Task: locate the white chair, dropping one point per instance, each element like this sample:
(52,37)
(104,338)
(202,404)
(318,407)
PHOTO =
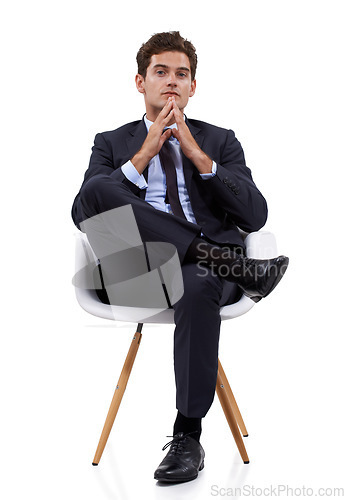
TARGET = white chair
(259,245)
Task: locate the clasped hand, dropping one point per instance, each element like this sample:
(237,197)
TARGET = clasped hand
(156,138)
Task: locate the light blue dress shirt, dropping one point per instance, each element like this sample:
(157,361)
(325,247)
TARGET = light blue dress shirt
(156,187)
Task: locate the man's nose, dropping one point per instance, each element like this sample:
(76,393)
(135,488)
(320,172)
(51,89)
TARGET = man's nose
(172,79)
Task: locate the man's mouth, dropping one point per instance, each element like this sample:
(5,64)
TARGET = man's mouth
(171,93)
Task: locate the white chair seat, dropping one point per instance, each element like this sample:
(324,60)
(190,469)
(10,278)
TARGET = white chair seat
(259,245)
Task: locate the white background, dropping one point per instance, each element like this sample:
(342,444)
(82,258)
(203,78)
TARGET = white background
(273,72)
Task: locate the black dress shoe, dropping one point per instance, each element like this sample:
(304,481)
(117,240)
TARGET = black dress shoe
(257,278)
(183,461)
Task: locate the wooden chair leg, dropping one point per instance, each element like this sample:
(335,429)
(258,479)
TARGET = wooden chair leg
(119,391)
(232,400)
(230,416)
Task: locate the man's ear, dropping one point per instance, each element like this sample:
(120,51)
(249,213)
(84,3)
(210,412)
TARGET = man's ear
(140,83)
(192,88)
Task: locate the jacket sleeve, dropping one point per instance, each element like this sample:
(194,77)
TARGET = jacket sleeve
(101,163)
(234,189)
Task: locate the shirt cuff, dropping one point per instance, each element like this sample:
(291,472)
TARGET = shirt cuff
(211,174)
(132,174)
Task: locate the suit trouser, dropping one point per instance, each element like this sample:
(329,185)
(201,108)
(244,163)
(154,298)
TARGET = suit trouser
(197,313)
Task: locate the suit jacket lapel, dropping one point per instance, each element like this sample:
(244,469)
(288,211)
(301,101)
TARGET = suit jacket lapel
(196,133)
(134,142)
(136,137)
(188,167)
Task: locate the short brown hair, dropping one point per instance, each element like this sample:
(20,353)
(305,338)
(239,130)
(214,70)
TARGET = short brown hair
(165,42)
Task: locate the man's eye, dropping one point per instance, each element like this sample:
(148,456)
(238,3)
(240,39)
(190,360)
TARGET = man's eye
(160,72)
(182,74)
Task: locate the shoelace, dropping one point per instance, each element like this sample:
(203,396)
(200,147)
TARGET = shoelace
(249,265)
(176,442)
(249,261)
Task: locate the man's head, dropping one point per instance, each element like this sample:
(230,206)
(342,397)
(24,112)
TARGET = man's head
(166,67)
(170,41)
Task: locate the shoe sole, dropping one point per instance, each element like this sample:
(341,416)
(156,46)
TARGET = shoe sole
(179,480)
(273,281)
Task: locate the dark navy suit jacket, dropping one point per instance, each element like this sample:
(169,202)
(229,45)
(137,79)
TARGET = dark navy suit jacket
(221,204)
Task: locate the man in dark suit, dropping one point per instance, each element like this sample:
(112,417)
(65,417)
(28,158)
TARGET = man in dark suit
(188,184)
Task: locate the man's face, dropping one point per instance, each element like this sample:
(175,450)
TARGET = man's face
(167,75)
